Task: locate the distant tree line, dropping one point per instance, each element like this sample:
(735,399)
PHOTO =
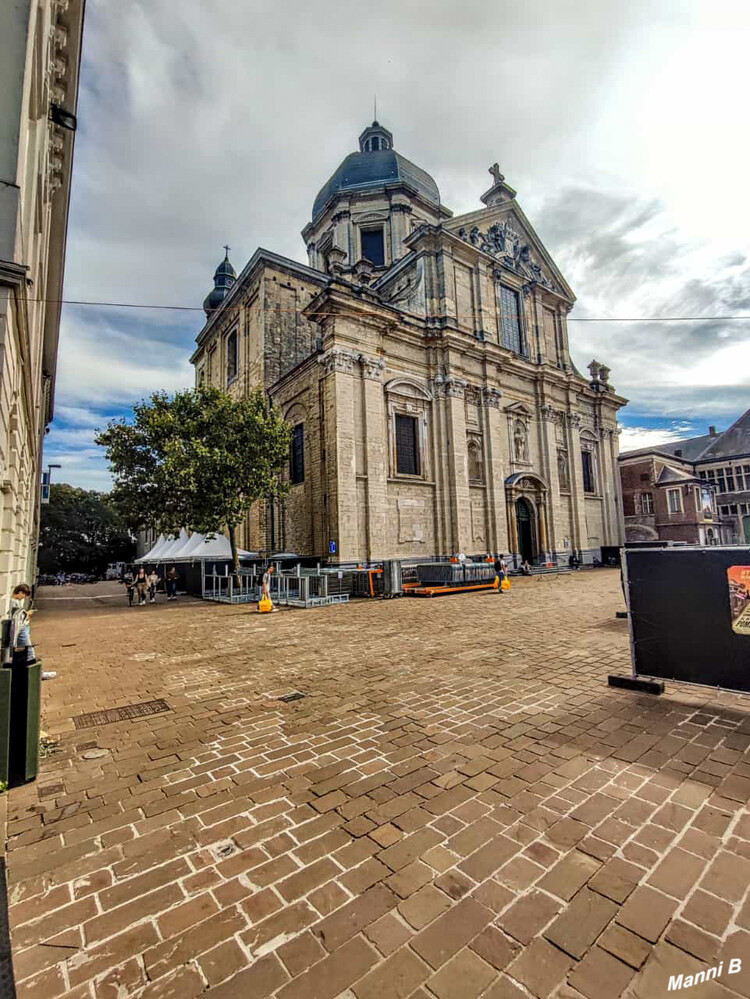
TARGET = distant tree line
(82,531)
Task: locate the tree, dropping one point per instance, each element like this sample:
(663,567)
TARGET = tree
(81,531)
(198,460)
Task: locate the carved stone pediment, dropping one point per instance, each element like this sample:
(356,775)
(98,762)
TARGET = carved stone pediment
(508,246)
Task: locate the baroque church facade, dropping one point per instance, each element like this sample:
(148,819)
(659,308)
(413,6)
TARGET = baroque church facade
(422,359)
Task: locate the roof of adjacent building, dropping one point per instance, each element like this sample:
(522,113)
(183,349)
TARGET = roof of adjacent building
(708,447)
(373,169)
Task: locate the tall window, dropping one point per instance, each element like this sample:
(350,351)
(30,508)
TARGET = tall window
(476,468)
(674,500)
(587,463)
(373,246)
(407,445)
(647,503)
(297,470)
(510,318)
(231,357)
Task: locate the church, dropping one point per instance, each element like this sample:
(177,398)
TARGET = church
(423,362)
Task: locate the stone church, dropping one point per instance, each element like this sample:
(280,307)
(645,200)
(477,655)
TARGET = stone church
(423,361)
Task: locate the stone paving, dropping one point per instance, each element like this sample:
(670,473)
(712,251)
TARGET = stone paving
(459,806)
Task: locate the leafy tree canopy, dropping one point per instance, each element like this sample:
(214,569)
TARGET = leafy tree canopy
(82,531)
(199,460)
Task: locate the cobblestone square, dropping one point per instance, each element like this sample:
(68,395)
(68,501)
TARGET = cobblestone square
(458,807)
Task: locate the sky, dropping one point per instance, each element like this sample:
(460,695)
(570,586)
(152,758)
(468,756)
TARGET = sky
(621,125)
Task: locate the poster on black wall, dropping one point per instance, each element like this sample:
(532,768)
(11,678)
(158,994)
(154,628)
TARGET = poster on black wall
(690,614)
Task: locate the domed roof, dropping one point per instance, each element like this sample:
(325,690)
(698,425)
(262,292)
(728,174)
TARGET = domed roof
(224,277)
(376,164)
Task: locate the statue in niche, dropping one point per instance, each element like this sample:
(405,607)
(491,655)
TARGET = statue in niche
(519,440)
(562,470)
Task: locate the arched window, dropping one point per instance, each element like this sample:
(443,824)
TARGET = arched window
(232,366)
(589,463)
(476,465)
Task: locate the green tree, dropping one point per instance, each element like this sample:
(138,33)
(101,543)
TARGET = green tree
(81,531)
(199,460)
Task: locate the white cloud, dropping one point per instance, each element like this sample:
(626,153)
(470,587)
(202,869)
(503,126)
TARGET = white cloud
(634,438)
(201,124)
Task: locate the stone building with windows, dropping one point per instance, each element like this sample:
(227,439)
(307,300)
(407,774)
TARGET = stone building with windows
(423,362)
(695,490)
(40,52)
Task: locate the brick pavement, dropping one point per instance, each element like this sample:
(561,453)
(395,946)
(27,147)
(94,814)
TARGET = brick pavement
(459,807)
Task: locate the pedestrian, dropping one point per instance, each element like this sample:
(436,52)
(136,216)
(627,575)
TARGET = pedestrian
(141,585)
(20,626)
(501,568)
(265,603)
(526,568)
(153,581)
(128,580)
(172,584)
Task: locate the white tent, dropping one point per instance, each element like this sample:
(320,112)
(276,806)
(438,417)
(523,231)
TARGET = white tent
(187,548)
(161,542)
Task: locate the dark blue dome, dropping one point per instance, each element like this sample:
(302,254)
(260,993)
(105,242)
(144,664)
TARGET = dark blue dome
(363,170)
(224,277)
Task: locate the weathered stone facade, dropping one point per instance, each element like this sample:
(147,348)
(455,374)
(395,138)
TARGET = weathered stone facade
(40,46)
(439,407)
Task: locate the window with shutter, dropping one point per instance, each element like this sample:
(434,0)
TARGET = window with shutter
(407,445)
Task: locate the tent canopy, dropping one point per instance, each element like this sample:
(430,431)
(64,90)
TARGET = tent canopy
(193,547)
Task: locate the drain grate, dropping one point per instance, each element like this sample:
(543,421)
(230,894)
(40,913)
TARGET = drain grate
(125,713)
(296,696)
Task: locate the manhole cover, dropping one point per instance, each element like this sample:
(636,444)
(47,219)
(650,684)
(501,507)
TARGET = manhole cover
(296,696)
(125,713)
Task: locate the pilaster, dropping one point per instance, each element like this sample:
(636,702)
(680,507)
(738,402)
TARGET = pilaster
(550,417)
(494,437)
(577,497)
(340,442)
(452,390)
(376,458)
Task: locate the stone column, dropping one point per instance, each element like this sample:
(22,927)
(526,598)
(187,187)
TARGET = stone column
(341,480)
(376,459)
(497,517)
(549,420)
(578,501)
(458,484)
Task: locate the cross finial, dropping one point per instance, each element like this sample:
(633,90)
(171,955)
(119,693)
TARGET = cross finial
(227,248)
(496,175)
(374,107)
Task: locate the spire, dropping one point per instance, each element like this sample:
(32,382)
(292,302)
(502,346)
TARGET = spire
(224,277)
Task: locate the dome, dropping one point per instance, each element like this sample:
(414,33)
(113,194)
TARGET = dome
(224,277)
(375,165)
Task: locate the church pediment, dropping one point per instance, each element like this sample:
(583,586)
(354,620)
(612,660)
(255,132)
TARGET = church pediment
(504,233)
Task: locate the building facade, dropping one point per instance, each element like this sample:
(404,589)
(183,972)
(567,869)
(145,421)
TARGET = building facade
(695,490)
(423,362)
(40,47)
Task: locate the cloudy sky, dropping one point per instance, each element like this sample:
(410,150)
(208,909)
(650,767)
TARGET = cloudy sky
(621,125)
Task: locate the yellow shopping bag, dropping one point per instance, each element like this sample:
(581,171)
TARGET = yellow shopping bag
(265,604)
(505,585)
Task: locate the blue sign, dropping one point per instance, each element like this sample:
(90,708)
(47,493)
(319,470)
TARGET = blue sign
(332,547)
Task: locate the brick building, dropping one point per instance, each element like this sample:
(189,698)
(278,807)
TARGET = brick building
(695,490)
(423,361)
(40,54)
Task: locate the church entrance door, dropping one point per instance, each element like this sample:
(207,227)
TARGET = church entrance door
(525,521)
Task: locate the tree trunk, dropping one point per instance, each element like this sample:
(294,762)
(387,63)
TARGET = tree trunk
(235,556)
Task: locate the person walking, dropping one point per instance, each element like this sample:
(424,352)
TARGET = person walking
(153,581)
(20,625)
(501,568)
(141,586)
(172,584)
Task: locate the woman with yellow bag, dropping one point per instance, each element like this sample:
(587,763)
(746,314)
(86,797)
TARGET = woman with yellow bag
(501,568)
(265,604)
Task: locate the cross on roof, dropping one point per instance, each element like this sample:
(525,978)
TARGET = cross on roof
(496,175)
(227,248)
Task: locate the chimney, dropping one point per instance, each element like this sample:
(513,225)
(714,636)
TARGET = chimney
(712,431)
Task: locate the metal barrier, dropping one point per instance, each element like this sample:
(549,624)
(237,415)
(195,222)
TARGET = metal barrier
(298,588)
